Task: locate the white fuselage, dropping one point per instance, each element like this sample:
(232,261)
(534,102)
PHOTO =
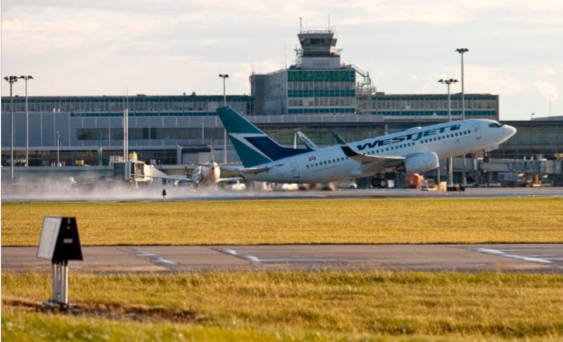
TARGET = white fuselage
(331,164)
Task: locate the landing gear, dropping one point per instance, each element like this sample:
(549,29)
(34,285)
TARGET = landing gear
(485,157)
(379,181)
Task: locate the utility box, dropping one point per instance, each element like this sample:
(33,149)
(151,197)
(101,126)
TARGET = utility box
(59,239)
(59,243)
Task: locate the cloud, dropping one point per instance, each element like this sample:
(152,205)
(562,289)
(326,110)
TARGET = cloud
(493,80)
(548,90)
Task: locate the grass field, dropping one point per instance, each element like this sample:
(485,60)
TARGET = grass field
(499,220)
(263,306)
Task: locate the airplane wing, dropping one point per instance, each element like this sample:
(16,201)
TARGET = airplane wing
(372,162)
(255,169)
(234,167)
(232,179)
(175,178)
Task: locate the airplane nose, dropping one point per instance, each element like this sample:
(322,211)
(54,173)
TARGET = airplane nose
(510,131)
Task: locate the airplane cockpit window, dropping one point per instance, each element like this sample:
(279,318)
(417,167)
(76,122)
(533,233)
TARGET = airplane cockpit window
(496,125)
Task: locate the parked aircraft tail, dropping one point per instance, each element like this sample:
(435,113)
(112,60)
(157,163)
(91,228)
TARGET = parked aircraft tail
(253,146)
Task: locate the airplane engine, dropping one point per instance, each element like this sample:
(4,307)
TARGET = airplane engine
(422,162)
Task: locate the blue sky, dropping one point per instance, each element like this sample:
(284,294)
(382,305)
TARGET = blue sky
(171,47)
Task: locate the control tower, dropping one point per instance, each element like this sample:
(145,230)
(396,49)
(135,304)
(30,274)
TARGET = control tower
(318,50)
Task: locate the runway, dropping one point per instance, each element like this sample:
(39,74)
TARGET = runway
(530,258)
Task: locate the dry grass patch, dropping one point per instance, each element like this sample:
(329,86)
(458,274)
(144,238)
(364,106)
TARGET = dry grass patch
(499,220)
(311,306)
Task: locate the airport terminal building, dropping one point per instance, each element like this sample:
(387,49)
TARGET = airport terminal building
(319,96)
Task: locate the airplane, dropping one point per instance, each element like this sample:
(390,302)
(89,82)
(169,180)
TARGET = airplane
(206,173)
(412,151)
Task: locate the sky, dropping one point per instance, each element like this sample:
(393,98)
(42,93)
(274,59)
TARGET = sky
(171,47)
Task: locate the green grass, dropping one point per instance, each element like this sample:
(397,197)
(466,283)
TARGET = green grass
(264,306)
(499,220)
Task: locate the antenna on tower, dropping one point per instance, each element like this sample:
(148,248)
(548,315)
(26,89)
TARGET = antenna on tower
(300,24)
(329,22)
(285,43)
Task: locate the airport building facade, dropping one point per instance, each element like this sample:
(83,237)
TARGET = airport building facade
(319,96)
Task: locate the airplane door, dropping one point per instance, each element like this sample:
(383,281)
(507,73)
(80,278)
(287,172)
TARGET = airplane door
(295,170)
(477,131)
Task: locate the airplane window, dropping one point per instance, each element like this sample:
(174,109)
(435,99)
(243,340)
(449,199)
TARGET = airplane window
(496,125)
(387,149)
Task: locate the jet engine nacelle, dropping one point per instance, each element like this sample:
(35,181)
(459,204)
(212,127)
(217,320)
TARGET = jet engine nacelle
(422,162)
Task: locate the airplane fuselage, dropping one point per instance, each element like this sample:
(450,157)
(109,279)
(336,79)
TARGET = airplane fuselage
(331,164)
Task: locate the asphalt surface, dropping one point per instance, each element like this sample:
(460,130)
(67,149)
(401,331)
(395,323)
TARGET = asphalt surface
(530,258)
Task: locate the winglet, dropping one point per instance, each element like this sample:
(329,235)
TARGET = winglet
(307,142)
(339,140)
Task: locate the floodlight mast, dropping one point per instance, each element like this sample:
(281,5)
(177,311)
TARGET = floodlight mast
(461,51)
(450,169)
(26,122)
(224,76)
(11,80)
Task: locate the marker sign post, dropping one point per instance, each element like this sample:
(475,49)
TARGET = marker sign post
(59,243)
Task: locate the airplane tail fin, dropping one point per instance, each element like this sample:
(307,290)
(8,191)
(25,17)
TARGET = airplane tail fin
(253,146)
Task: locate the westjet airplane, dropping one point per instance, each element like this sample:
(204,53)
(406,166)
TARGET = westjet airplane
(412,151)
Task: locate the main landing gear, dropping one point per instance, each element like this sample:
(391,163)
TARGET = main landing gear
(379,181)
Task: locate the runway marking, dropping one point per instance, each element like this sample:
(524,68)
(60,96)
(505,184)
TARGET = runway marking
(140,253)
(155,259)
(161,260)
(512,256)
(251,258)
(273,260)
(235,254)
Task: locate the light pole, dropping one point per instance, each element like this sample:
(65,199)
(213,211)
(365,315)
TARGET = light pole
(26,122)
(224,77)
(11,80)
(461,52)
(58,144)
(450,171)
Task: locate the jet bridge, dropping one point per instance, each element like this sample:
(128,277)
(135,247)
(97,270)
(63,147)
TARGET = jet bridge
(133,171)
